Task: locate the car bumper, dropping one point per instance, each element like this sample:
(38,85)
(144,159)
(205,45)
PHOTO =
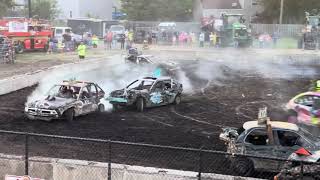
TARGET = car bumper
(41,118)
(41,114)
(117,100)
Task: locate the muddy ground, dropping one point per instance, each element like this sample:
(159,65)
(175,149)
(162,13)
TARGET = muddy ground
(197,122)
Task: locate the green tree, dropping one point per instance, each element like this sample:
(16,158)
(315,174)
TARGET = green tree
(4,6)
(157,10)
(293,10)
(45,9)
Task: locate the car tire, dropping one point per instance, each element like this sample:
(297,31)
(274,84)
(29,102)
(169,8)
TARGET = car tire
(101,108)
(115,107)
(243,167)
(20,48)
(140,104)
(69,114)
(177,99)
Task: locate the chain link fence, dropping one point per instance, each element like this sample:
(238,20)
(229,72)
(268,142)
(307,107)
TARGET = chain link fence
(84,159)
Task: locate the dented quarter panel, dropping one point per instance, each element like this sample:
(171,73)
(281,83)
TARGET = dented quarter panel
(152,97)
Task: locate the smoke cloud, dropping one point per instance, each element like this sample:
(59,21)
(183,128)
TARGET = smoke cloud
(210,68)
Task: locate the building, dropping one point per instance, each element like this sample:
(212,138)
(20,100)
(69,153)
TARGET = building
(101,9)
(208,8)
(19,4)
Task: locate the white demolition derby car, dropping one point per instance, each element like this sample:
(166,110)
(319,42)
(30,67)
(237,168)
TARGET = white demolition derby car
(67,101)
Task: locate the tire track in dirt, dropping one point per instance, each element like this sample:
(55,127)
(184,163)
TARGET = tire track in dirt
(193,119)
(240,113)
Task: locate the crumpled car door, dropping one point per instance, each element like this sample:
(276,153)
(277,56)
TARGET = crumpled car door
(262,151)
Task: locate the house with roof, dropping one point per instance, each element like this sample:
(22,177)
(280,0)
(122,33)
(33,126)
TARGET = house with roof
(209,8)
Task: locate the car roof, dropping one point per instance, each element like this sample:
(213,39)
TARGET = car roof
(274,124)
(157,78)
(75,83)
(307,93)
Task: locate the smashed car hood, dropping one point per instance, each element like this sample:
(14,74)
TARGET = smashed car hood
(56,102)
(228,133)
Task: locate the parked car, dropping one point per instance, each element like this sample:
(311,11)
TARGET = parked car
(67,101)
(118,31)
(304,107)
(147,92)
(254,139)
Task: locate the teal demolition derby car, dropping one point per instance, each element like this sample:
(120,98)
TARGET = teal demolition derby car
(147,92)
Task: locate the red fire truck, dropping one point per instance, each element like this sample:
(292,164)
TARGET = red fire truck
(26,34)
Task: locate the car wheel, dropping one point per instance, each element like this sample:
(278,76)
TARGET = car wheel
(115,107)
(177,100)
(69,114)
(243,167)
(20,48)
(140,104)
(101,108)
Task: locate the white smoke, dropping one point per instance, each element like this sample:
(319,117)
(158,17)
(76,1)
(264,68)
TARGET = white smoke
(212,68)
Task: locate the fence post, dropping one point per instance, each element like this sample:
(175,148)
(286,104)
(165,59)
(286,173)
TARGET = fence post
(26,162)
(109,160)
(200,164)
(301,170)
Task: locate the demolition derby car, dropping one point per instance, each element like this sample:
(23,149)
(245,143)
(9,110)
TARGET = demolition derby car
(67,101)
(281,140)
(135,57)
(304,108)
(147,92)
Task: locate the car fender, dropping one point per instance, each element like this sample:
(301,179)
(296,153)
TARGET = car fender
(315,157)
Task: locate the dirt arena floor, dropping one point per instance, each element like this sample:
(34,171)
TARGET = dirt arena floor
(229,100)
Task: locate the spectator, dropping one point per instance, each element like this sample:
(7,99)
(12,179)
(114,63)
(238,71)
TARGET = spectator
(154,38)
(261,41)
(82,50)
(130,37)
(174,39)
(211,39)
(201,39)
(275,37)
(109,39)
(105,40)
(114,40)
(60,46)
(189,36)
(193,37)
(50,45)
(122,40)
(95,41)
(67,41)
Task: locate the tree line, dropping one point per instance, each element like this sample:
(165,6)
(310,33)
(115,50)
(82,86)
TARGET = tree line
(174,10)
(44,9)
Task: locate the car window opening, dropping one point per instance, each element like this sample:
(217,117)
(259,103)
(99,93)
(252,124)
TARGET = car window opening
(257,137)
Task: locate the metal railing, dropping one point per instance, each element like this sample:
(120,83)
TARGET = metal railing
(204,162)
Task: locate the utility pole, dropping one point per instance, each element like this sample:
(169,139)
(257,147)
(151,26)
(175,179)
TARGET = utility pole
(281,12)
(29,8)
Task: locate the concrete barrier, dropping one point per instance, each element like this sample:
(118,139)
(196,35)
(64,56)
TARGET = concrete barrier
(18,82)
(66,169)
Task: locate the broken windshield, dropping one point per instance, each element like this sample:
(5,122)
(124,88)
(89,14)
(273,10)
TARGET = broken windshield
(141,84)
(64,91)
